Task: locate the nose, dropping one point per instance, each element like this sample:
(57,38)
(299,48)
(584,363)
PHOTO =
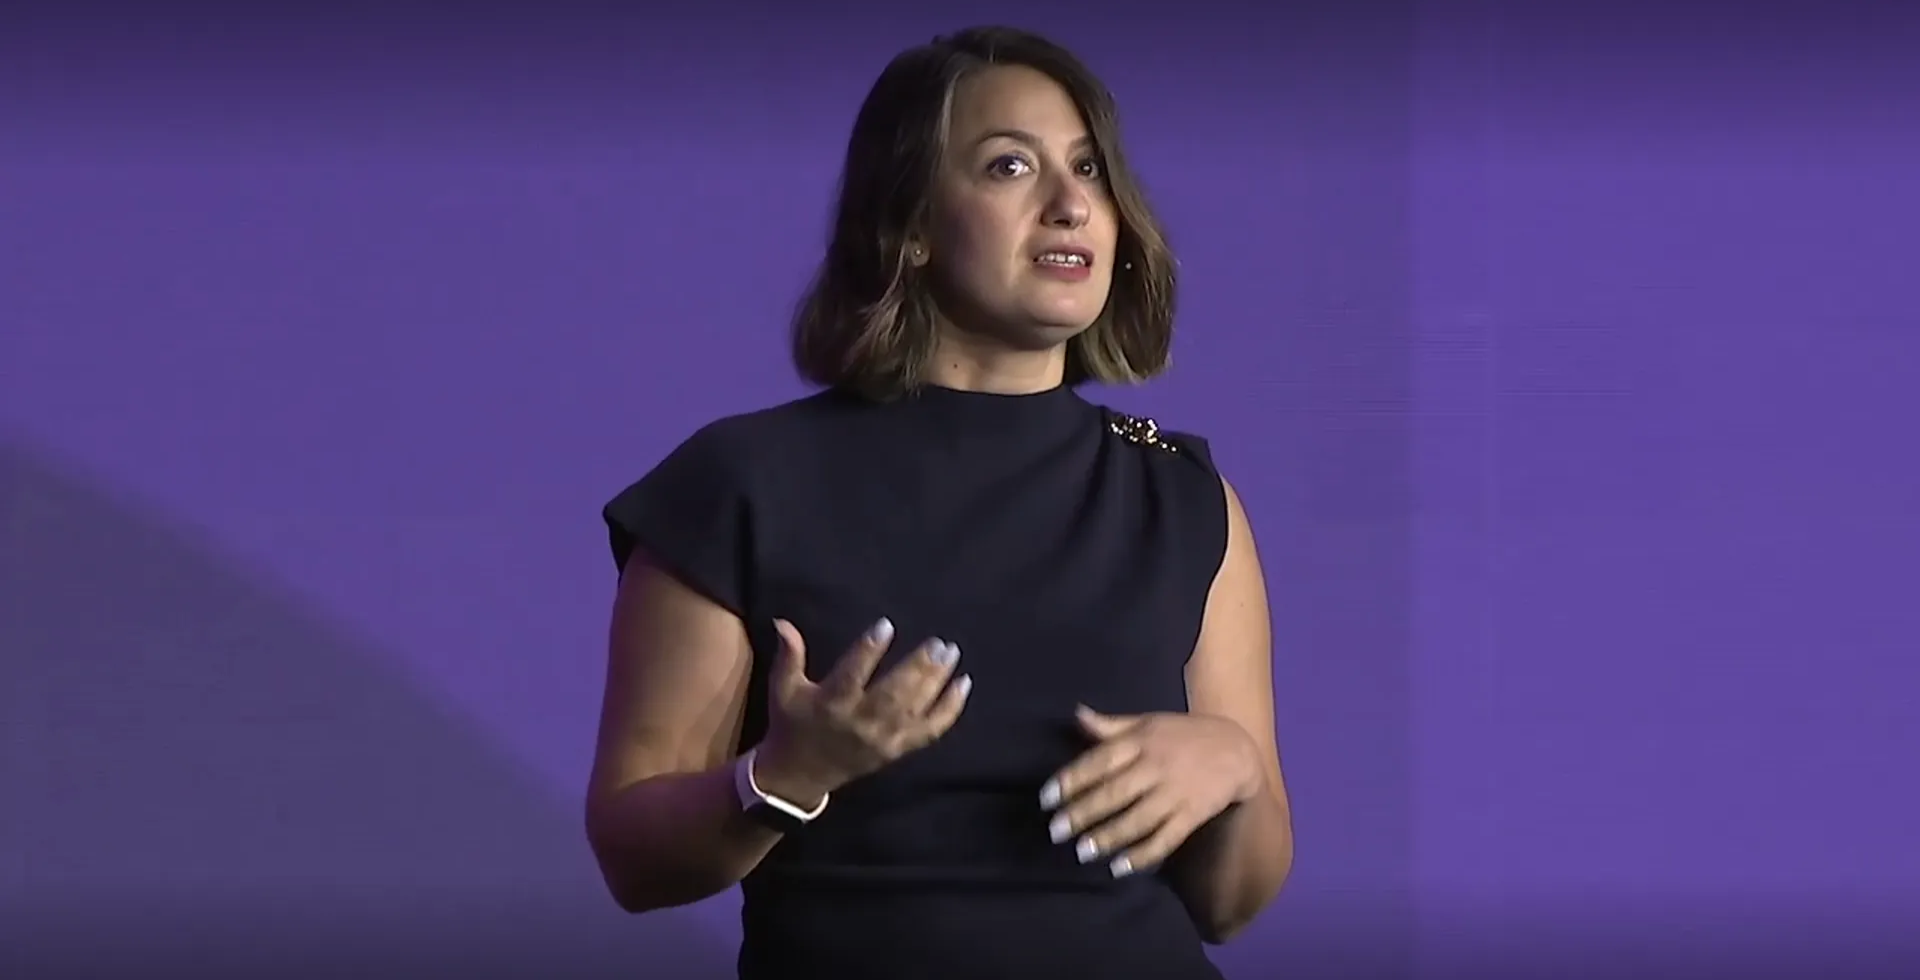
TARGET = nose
(1069,206)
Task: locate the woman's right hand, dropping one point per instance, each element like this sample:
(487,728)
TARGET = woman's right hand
(822,736)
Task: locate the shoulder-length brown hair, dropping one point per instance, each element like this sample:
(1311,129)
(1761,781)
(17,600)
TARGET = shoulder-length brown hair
(868,320)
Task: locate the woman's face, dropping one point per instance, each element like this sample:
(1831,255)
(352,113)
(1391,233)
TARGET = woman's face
(1023,232)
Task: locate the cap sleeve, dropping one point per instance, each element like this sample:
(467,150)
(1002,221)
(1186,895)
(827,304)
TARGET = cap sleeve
(1210,492)
(691,515)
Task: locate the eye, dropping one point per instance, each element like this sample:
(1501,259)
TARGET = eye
(1089,169)
(1009,166)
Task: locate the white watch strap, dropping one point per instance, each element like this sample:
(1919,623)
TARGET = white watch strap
(750,792)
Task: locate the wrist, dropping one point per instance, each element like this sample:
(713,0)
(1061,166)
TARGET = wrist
(778,776)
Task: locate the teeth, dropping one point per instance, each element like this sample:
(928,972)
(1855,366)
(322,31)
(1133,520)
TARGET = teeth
(1061,258)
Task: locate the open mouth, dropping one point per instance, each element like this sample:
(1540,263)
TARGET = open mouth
(1064,258)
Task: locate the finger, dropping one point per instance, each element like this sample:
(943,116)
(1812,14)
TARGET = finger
(1124,834)
(915,683)
(946,711)
(788,673)
(1155,848)
(1102,727)
(1092,767)
(1099,805)
(856,666)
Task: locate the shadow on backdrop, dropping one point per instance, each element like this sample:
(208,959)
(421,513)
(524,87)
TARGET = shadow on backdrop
(200,773)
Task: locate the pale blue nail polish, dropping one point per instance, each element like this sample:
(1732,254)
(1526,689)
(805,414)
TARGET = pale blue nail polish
(1121,867)
(945,654)
(1059,828)
(1050,794)
(1086,850)
(965,684)
(881,631)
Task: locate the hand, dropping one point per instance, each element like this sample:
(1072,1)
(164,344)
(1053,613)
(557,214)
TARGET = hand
(823,736)
(1147,785)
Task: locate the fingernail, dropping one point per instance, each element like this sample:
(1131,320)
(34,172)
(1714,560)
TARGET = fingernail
(1121,867)
(1050,794)
(1059,828)
(965,684)
(881,631)
(944,653)
(1087,850)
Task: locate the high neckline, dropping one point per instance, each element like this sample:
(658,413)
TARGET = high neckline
(961,403)
(934,411)
(934,391)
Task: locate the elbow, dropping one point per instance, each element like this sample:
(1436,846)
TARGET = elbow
(628,892)
(1222,929)
(635,902)
(1219,934)
(624,891)
(646,877)
(621,887)
(1221,924)
(628,900)
(616,868)
(635,898)
(637,884)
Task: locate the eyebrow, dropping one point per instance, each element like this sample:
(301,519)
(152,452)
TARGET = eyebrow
(1022,136)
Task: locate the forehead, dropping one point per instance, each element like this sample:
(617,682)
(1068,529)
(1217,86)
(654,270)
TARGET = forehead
(1015,97)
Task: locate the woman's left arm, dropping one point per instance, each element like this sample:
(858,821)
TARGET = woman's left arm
(1235,864)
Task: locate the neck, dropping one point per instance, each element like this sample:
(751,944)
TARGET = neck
(972,364)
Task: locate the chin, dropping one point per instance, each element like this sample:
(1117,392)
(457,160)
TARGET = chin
(1072,318)
(1043,335)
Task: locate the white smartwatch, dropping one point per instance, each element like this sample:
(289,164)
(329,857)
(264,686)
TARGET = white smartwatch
(766,809)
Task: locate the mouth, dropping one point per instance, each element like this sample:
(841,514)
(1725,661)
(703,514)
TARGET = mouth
(1065,258)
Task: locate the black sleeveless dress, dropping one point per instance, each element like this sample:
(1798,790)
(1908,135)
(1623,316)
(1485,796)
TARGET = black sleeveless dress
(1068,550)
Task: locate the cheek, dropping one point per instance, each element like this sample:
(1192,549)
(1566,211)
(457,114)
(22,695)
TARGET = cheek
(1107,224)
(977,248)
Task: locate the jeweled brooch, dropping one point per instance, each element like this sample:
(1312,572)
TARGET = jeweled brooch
(1139,430)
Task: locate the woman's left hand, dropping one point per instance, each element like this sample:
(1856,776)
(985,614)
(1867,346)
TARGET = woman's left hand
(1147,785)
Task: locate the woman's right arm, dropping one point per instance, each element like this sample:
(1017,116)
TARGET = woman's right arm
(662,817)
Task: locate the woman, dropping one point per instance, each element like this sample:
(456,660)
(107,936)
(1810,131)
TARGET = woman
(957,674)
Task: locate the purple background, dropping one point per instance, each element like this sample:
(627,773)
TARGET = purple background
(1566,356)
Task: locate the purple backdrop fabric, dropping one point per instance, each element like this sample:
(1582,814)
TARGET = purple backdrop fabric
(1563,354)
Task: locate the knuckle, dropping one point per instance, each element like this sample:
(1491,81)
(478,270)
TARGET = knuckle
(868,732)
(898,742)
(883,702)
